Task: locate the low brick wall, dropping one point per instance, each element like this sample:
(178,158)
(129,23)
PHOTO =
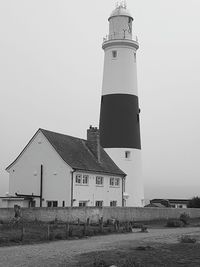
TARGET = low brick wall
(121,214)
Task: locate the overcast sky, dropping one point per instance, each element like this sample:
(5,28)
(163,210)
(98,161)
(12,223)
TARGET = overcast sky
(51,66)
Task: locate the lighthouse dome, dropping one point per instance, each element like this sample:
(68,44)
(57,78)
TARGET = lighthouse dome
(120,11)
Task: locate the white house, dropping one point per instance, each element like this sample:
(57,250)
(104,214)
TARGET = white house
(57,170)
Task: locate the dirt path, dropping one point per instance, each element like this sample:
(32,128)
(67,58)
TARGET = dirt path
(62,253)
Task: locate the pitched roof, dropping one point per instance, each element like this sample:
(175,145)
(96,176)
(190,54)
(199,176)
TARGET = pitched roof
(75,152)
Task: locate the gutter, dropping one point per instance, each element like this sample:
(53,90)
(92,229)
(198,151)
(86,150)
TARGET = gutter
(123,183)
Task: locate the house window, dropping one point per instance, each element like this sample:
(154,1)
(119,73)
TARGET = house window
(99,180)
(78,179)
(114,54)
(116,181)
(32,204)
(51,204)
(82,203)
(82,179)
(113,203)
(99,203)
(127,154)
(63,203)
(112,181)
(85,179)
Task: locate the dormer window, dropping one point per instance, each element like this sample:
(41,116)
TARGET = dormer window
(114,54)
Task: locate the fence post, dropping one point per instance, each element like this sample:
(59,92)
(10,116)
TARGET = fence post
(88,221)
(22,233)
(48,231)
(84,229)
(67,230)
(101,224)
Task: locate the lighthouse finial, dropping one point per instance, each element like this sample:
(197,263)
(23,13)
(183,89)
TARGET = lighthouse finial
(121,4)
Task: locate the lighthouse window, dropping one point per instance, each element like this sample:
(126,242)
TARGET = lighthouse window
(114,53)
(127,154)
(134,57)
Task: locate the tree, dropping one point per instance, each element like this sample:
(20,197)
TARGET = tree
(194,202)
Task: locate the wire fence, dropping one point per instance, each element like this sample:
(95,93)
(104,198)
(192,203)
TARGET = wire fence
(30,232)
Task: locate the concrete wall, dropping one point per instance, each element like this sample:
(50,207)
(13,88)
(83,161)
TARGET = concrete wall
(121,214)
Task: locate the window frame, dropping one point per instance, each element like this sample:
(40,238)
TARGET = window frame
(114,54)
(80,179)
(127,154)
(113,203)
(85,176)
(99,180)
(117,182)
(113,181)
(99,202)
(52,203)
(84,202)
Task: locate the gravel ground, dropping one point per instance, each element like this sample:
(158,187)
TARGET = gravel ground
(63,253)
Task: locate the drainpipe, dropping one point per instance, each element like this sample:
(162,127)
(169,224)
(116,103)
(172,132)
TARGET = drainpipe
(72,187)
(41,184)
(123,183)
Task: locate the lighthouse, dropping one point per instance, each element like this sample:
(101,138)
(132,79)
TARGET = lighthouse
(120,114)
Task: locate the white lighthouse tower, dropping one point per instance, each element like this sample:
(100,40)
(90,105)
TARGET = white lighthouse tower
(119,116)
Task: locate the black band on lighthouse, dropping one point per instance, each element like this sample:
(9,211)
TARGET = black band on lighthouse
(119,121)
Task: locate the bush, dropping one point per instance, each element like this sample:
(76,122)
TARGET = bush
(174,223)
(100,263)
(59,236)
(187,239)
(185,218)
(194,202)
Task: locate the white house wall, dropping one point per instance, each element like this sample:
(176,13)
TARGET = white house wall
(24,175)
(92,192)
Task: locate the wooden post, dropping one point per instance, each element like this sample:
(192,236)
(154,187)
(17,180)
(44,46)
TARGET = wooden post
(84,229)
(88,221)
(78,221)
(22,233)
(101,224)
(48,231)
(116,226)
(67,230)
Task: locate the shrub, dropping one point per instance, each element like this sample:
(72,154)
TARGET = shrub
(174,223)
(194,202)
(130,262)
(185,218)
(187,239)
(100,263)
(59,236)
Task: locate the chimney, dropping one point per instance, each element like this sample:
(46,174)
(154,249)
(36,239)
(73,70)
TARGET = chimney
(93,141)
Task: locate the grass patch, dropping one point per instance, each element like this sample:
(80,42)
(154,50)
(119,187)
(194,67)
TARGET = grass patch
(153,255)
(188,239)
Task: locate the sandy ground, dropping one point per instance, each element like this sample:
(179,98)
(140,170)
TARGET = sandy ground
(63,253)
